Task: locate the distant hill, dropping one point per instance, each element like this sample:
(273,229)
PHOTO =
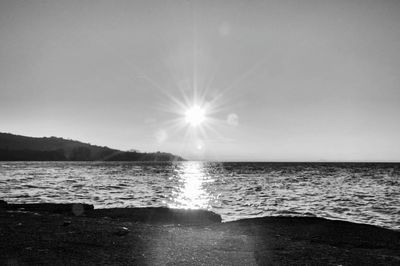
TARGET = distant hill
(22,148)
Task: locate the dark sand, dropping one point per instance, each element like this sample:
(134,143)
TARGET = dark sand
(41,234)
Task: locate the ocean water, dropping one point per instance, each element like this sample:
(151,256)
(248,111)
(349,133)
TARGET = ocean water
(362,193)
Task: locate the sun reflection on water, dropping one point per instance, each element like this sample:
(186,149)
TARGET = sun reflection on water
(190,193)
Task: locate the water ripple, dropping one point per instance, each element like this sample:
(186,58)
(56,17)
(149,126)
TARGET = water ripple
(365,193)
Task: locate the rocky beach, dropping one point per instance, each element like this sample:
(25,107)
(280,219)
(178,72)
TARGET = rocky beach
(78,234)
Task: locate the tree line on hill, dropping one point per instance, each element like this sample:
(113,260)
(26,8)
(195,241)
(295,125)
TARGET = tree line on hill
(22,148)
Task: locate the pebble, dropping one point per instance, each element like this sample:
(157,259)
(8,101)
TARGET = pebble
(122,231)
(66,223)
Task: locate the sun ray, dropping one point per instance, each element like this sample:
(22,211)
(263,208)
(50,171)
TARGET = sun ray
(246,74)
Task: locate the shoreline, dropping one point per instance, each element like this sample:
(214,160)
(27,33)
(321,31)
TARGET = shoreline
(43,205)
(78,234)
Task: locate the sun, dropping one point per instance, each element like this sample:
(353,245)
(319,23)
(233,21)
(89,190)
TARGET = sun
(195,115)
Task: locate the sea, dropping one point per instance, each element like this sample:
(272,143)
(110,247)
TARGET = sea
(366,193)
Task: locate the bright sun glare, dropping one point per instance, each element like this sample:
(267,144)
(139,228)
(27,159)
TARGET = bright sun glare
(195,115)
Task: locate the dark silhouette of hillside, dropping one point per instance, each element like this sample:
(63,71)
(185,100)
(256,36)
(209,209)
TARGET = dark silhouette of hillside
(22,148)
(138,156)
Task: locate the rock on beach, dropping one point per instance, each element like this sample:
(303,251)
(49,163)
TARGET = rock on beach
(162,236)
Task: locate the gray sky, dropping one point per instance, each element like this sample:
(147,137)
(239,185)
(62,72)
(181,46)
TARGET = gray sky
(279,80)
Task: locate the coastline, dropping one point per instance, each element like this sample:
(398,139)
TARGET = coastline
(78,234)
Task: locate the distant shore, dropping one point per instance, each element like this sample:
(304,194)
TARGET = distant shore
(24,148)
(78,234)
